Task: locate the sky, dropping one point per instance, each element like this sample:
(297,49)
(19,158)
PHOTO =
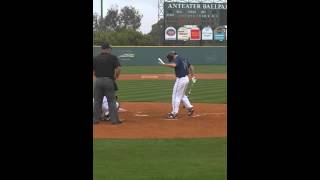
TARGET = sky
(148,8)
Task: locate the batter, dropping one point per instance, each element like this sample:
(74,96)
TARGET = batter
(182,68)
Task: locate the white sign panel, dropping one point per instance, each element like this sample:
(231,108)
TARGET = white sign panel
(207,33)
(183,33)
(170,33)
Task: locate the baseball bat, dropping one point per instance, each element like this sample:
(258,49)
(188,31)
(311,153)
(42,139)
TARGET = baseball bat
(189,93)
(160,61)
(194,80)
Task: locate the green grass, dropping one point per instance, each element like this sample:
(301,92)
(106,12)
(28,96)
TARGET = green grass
(205,91)
(189,159)
(163,70)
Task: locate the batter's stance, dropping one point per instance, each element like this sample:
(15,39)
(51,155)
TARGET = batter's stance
(182,68)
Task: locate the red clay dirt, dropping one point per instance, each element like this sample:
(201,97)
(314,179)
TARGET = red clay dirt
(166,76)
(148,120)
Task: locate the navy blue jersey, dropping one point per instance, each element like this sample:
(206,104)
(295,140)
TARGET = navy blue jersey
(182,66)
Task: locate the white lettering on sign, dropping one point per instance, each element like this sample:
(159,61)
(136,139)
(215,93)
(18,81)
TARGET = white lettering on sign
(197,6)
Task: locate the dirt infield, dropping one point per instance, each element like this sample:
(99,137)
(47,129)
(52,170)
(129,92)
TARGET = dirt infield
(167,76)
(148,120)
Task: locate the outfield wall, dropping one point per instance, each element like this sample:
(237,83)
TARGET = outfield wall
(148,55)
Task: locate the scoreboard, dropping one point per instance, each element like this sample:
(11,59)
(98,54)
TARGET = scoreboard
(202,14)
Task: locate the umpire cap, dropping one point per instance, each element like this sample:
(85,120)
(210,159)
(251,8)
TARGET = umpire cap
(105,45)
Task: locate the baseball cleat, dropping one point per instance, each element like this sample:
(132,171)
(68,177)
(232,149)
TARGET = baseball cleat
(106,118)
(118,104)
(190,111)
(172,116)
(96,122)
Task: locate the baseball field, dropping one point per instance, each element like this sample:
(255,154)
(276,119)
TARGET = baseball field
(149,147)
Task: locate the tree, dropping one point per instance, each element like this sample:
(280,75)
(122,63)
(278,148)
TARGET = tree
(122,37)
(112,20)
(95,22)
(130,18)
(157,33)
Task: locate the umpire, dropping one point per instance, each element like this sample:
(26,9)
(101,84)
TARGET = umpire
(107,69)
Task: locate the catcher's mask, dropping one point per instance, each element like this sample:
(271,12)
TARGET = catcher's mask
(170,55)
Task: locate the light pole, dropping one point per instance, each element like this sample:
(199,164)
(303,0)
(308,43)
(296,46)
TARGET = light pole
(101,9)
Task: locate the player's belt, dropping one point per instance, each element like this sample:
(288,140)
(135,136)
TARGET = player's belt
(182,76)
(106,77)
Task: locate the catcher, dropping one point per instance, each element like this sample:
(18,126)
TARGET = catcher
(105,108)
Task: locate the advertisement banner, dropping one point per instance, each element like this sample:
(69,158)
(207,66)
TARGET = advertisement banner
(195,34)
(170,33)
(207,33)
(183,33)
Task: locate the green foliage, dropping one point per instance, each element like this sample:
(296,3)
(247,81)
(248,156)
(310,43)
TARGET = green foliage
(127,18)
(130,18)
(112,20)
(157,36)
(122,37)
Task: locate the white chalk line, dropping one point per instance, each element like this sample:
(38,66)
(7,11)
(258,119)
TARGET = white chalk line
(215,113)
(204,114)
(141,115)
(171,119)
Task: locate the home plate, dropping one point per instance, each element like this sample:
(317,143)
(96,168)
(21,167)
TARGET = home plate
(122,110)
(171,119)
(141,115)
(196,115)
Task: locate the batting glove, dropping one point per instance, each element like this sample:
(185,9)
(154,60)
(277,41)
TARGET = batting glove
(194,80)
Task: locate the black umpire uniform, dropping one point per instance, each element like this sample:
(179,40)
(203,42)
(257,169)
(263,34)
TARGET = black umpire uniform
(105,65)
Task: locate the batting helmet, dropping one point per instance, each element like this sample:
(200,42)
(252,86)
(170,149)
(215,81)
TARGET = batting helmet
(170,55)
